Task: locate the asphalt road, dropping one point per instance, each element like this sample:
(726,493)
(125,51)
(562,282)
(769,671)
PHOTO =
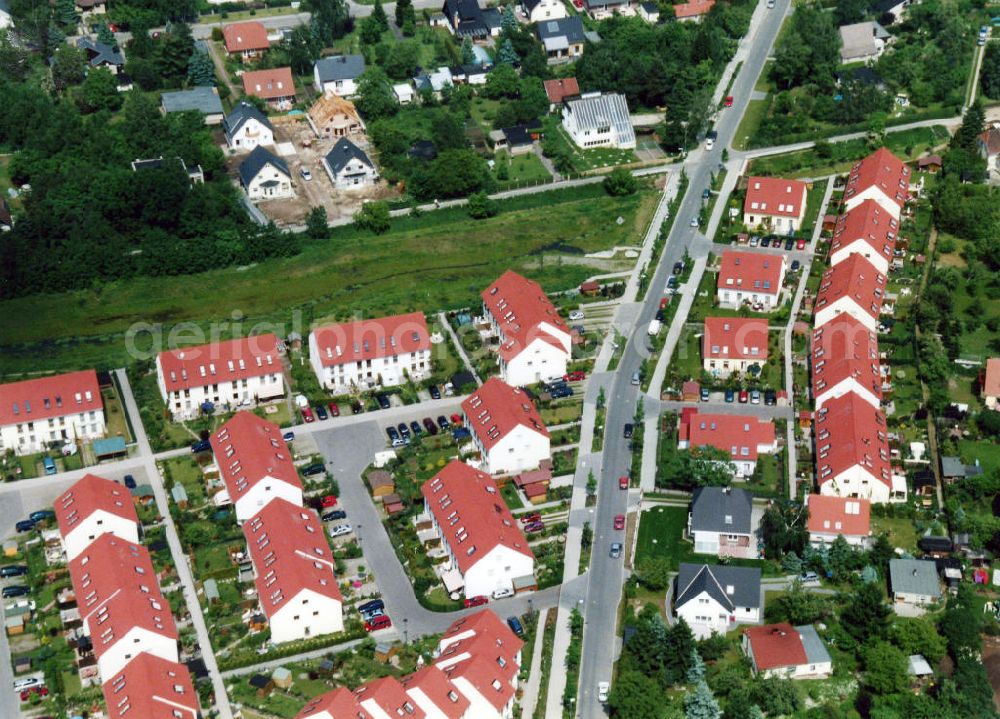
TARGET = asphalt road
(606,575)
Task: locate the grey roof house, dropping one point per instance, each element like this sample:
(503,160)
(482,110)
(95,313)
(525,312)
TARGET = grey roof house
(563,39)
(953,468)
(198,99)
(467,19)
(243,116)
(101,55)
(264,175)
(338,74)
(862,41)
(914,583)
(349,167)
(714,598)
(721,522)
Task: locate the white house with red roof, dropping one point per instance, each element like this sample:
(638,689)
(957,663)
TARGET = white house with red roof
(733,344)
(535,343)
(367,354)
(831,517)
(844,359)
(294,572)
(432,691)
(854,287)
(92,507)
(852,452)
(482,540)
(338,703)
(742,438)
(506,428)
(781,650)
(882,177)
(152,688)
(868,230)
(36,413)
(230,374)
(774,204)
(274,85)
(751,278)
(246,39)
(120,604)
(255,464)
(990,384)
(385,698)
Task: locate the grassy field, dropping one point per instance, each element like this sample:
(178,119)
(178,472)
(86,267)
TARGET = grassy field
(440,259)
(901,531)
(660,535)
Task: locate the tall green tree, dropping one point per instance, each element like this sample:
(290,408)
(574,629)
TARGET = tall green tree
(972,127)
(468,57)
(176,48)
(99,91)
(65,13)
(507,55)
(201,70)
(378,12)
(885,668)
(331,19)
(867,616)
(105,35)
(68,67)
(405,14)
(700,704)
(375,98)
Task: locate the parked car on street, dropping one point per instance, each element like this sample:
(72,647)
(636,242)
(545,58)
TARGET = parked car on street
(430,426)
(754,396)
(334,410)
(43,514)
(577,376)
(321,412)
(376,623)
(627,430)
(434,391)
(476,601)
(533,517)
(288,436)
(602,691)
(314,469)
(515,626)
(203,446)
(795,265)
(619,521)
(502,593)
(623,482)
(616,550)
(13,570)
(404,431)
(443,422)
(770,397)
(744,396)
(340,530)
(15,590)
(383,401)
(728,102)
(576,315)
(534,527)
(334,515)
(307,415)
(800,244)
(460,433)
(705,396)
(394,439)
(560,392)
(24,525)
(730,395)
(328,501)
(415,428)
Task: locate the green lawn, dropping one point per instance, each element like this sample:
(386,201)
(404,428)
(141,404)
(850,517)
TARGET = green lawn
(756,109)
(902,532)
(987,453)
(523,169)
(441,259)
(660,535)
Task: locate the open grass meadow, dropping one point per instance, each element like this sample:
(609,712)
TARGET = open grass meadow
(440,259)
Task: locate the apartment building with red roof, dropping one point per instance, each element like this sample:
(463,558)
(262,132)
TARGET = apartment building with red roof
(367,354)
(854,287)
(62,408)
(751,278)
(782,650)
(506,428)
(535,342)
(294,572)
(151,688)
(868,230)
(336,704)
(432,691)
(742,438)
(255,464)
(845,358)
(94,506)
(733,344)
(246,39)
(229,374)
(831,517)
(120,604)
(852,452)
(483,541)
(275,86)
(774,204)
(385,698)
(882,177)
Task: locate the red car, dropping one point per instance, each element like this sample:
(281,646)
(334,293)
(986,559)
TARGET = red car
(475,601)
(664,301)
(334,410)
(40,691)
(728,102)
(328,501)
(623,482)
(529,518)
(800,245)
(534,527)
(380,622)
(619,521)
(307,415)
(456,419)
(744,396)
(577,376)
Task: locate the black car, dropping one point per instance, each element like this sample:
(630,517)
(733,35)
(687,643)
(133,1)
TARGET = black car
(13,570)
(313,469)
(383,401)
(678,267)
(435,392)
(628,430)
(335,514)
(766,242)
(15,590)
(795,265)
(515,626)
(368,608)
(41,515)
(357,407)
(25,525)
(430,426)
(789,244)
(443,422)
(130,481)
(320,411)
(202,446)
(770,397)
(659,315)
(416,428)
(560,392)
(394,438)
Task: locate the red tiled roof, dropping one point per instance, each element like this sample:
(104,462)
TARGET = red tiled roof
(269,84)
(290,554)
(855,278)
(693,9)
(775,196)
(116,591)
(839,515)
(522,310)
(481,649)
(558,90)
(388,694)
(775,646)
(494,410)
(850,432)
(735,435)
(151,688)
(991,377)
(249,449)
(483,520)
(751,272)
(867,222)
(341,702)
(92,494)
(534,476)
(883,170)
(242,36)
(734,338)
(929,161)
(844,348)
(227,361)
(537,489)
(34,400)
(433,683)
(370,339)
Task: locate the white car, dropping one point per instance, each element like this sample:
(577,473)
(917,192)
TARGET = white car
(576,315)
(709,143)
(694,222)
(503,593)
(602,691)
(28,683)
(340,530)
(306,174)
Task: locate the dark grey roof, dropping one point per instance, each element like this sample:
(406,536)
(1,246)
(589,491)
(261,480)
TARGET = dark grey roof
(240,114)
(200,99)
(883,6)
(99,53)
(529,5)
(914,576)
(423,150)
(256,161)
(518,135)
(716,580)
(650,7)
(569,27)
(468,19)
(342,153)
(721,509)
(340,67)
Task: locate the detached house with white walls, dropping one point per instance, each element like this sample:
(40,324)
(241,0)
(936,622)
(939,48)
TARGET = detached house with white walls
(853,287)
(57,410)
(255,464)
(867,230)
(716,598)
(721,522)
(152,688)
(844,359)
(733,344)
(338,75)
(881,177)
(535,343)
(781,650)
(294,572)
(248,40)
(539,10)
(482,540)
(265,176)
(750,278)
(742,437)
(374,353)
(348,167)
(506,428)
(774,204)
(229,374)
(246,128)
(599,120)
(94,506)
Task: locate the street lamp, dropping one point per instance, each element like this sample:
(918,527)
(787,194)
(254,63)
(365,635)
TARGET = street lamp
(406,632)
(531,611)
